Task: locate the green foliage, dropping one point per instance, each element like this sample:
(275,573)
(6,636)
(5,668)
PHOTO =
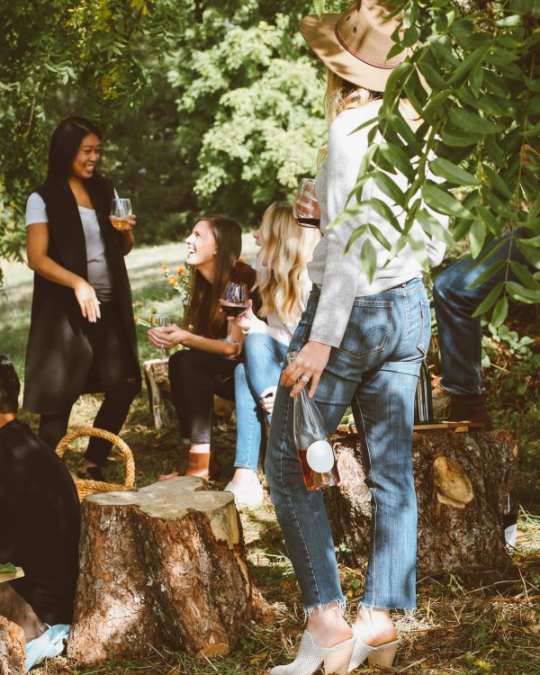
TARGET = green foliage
(473,77)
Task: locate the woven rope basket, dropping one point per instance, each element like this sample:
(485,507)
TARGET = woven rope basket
(90,487)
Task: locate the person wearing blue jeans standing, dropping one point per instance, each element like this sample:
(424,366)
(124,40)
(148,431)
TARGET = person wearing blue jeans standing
(361,341)
(283,286)
(456,295)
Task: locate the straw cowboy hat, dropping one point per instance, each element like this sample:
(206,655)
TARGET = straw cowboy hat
(354,45)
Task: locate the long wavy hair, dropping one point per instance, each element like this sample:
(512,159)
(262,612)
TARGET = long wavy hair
(286,249)
(204,315)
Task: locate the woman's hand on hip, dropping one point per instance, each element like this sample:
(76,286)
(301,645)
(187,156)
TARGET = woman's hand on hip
(87,299)
(267,399)
(307,367)
(167,336)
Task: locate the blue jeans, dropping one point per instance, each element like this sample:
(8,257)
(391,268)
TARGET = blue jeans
(460,335)
(261,368)
(377,365)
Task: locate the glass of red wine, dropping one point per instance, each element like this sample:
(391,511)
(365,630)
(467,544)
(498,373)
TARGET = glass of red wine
(306,194)
(235,299)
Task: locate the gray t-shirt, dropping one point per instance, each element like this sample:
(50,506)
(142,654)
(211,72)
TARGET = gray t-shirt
(99,275)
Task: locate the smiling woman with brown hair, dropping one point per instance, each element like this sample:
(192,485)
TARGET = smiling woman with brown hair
(82,333)
(207,366)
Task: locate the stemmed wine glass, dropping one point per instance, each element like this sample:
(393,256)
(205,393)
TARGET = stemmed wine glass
(235,299)
(306,193)
(162,320)
(121,212)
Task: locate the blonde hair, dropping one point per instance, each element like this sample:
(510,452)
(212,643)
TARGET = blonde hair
(341,95)
(286,249)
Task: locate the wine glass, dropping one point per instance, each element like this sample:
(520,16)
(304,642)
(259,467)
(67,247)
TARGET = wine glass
(307,195)
(235,299)
(162,320)
(121,212)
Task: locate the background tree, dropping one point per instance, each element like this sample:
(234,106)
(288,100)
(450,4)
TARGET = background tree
(473,79)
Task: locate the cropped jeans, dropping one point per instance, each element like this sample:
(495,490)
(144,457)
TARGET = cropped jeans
(455,300)
(261,368)
(376,369)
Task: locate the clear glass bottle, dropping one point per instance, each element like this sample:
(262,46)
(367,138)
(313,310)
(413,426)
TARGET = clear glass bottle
(315,452)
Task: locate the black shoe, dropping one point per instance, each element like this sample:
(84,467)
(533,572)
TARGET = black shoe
(471,407)
(91,473)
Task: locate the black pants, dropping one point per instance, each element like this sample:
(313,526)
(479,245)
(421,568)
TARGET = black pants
(113,372)
(195,377)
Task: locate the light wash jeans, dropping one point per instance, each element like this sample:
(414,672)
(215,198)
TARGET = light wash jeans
(460,335)
(377,365)
(260,369)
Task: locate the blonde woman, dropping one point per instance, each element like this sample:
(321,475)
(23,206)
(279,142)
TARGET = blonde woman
(284,286)
(360,341)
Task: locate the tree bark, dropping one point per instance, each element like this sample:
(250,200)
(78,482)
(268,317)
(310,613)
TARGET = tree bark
(462,485)
(163,567)
(11,648)
(156,374)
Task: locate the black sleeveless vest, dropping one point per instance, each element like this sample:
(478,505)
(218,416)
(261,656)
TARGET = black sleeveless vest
(59,356)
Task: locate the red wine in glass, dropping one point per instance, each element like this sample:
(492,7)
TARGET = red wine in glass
(230,309)
(235,299)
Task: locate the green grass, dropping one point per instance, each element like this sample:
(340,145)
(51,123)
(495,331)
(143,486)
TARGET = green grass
(468,625)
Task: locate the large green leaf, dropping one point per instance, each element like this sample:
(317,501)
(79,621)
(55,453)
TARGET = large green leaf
(500,312)
(472,122)
(477,237)
(390,189)
(433,227)
(488,273)
(395,82)
(383,210)
(443,202)
(490,299)
(467,65)
(524,276)
(455,174)
(519,292)
(368,259)
(358,232)
(398,157)
(496,182)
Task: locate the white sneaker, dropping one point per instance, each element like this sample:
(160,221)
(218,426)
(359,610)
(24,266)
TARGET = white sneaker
(248,493)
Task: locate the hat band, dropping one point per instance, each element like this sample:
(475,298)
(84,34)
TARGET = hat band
(351,51)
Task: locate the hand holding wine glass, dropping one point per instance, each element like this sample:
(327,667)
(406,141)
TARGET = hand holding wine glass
(235,299)
(122,218)
(306,209)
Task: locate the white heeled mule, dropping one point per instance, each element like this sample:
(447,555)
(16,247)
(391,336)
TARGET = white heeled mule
(382,655)
(310,656)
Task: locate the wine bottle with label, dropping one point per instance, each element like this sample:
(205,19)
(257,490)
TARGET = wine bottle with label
(315,452)
(423,404)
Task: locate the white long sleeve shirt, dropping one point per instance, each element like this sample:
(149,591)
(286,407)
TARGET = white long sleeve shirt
(340,276)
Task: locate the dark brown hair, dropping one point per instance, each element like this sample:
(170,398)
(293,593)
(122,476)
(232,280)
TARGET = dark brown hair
(9,387)
(65,143)
(204,315)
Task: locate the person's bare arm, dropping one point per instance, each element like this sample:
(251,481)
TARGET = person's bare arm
(170,336)
(37,246)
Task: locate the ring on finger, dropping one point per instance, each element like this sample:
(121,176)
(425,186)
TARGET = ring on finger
(305,379)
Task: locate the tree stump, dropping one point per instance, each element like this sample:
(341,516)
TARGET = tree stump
(12,644)
(462,485)
(163,567)
(156,375)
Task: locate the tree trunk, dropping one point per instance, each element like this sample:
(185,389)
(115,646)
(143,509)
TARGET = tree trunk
(161,567)
(462,485)
(156,374)
(11,648)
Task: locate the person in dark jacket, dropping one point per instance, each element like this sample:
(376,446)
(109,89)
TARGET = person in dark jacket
(82,333)
(40,514)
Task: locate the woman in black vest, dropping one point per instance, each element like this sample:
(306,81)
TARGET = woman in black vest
(82,333)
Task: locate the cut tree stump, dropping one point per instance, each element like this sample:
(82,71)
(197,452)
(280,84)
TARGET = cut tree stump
(163,567)
(462,482)
(12,644)
(156,374)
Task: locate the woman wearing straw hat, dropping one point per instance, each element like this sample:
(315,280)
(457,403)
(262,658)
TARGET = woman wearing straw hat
(359,342)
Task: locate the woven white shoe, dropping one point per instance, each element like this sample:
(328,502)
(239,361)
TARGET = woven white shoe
(383,655)
(249,493)
(310,657)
